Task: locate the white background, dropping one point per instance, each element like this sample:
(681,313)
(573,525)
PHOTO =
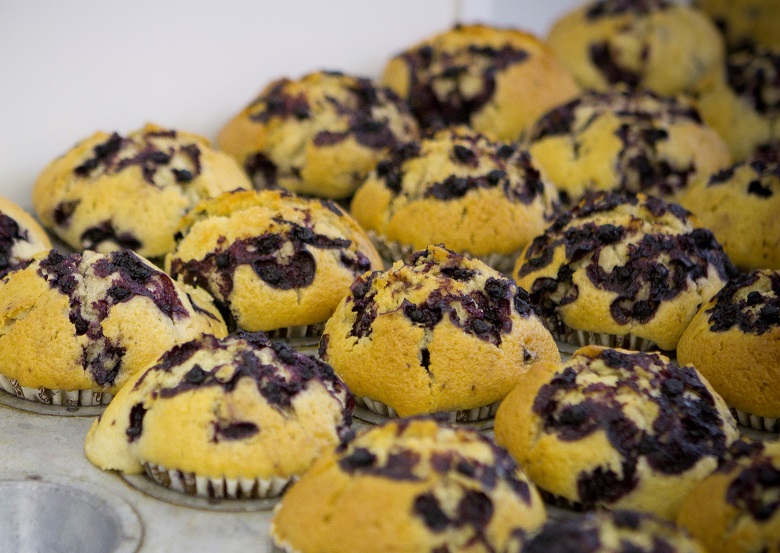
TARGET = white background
(69,68)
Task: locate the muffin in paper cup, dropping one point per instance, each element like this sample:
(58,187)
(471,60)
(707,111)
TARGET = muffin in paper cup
(78,326)
(238,417)
(622,270)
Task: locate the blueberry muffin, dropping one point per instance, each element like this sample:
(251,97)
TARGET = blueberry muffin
(745,23)
(459,188)
(623,270)
(737,508)
(76,327)
(474,75)
(443,334)
(272,260)
(632,141)
(318,135)
(734,341)
(616,429)
(740,206)
(745,107)
(607,532)
(410,485)
(113,192)
(658,45)
(237,417)
(20,237)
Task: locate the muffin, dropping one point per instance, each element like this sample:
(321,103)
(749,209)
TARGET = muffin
(20,237)
(745,107)
(443,334)
(632,141)
(77,327)
(616,429)
(737,508)
(237,417)
(459,188)
(745,22)
(475,74)
(318,135)
(113,192)
(410,485)
(740,205)
(623,270)
(734,341)
(273,261)
(657,45)
(608,532)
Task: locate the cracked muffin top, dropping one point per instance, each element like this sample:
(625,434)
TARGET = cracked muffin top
(657,45)
(745,107)
(473,75)
(442,333)
(20,237)
(112,192)
(91,321)
(734,340)
(239,407)
(740,205)
(318,135)
(630,141)
(623,264)
(737,508)
(614,428)
(607,532)
(271,259)
(410,485)
(459,188)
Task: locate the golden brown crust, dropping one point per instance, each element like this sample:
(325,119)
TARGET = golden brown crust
(318,135)
(22,237)
(662,46)
(734,341)
(234,408)
(473,74)
(411,485)
(112,192)
(458,188)
(444,333)
(273,259)
(91,322)
(592,429)
(745,22)
(621,264)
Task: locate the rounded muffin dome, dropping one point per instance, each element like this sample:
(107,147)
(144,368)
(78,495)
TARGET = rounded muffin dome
(20,237)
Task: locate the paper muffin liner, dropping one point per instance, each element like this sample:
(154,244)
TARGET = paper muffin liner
(395,251)
(68,398)
(581,338)
(767,424)
(216,487)
(297,332)
(467,415)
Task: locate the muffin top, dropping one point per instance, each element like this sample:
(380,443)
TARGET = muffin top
(631,141)
(616,428)
(657,45)
(242,407)
(91,321)
(20,237)
(271,259)
(619,263)
(114,192)
(318,135)
(734,340)
(608,532)
(737,508)
(745,23)
(471,75)
(442,333)
(411,485)
(484,196)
